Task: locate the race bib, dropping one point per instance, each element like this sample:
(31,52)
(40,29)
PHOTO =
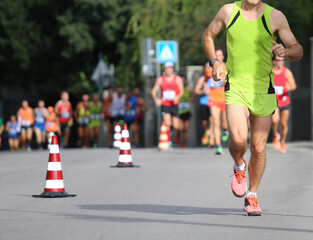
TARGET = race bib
(279,90)
(169,95)
(131,113)
(84,120)
(26,123)
(216,84)
(183,105)
(121,112)
(95,116)
(65,114)
(40,119)
(12,131)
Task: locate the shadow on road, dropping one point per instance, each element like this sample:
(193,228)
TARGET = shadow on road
(163,209)
(176,210)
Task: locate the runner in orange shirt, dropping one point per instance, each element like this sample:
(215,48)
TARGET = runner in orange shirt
(51,125)
(25,117)
(202,90)
(217,106)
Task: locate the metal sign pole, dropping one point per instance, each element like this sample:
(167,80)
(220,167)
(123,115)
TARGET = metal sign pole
(311,39)
(158,108)
(177,61)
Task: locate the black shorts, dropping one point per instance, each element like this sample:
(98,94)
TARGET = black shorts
(23,128)
(205,112)
(185,116)
(110,119)
(139,121)
(173,110)
(64,127)
(284,108)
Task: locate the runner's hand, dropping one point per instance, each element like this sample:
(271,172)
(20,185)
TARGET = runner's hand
(217,72)
(158,101)
(279,50)
(176,99)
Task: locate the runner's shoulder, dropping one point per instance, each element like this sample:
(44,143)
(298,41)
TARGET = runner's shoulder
(227,9)
(225,12)
(277,17)
(288,72)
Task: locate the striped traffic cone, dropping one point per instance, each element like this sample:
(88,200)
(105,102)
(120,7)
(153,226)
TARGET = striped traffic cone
(117,136)
(125,158)
(163,140)
(54,187)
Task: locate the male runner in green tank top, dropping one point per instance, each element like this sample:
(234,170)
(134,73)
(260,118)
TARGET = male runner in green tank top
(252,27)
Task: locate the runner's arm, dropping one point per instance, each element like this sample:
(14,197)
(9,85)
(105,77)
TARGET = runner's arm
(181,89)
(215,27)
(293,50)
(34,117)
(56,109)
(18,117)
(291,84)
(46,114)
(198,90)
(71,115)
(154,91)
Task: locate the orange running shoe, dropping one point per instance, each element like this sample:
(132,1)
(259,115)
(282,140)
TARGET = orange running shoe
(251,206)
(205,140)
(238,183)
(282,148)
(276,143)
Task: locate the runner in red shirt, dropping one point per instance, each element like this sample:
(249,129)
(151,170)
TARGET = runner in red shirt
(172,90)
(140,108)
(63,109)
(284,82)
(106,110)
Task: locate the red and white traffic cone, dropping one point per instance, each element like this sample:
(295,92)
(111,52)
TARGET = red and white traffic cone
(117,136)
(163,140)
(54,187)
(125,157)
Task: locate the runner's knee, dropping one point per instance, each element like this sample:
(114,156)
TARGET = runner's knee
(239,141)
(284,125)
(257,150)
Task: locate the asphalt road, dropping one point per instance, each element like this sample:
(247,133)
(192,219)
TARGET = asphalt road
(183,194)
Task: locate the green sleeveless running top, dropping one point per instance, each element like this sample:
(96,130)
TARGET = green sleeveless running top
(93,108)
(184,105)
(249,62)
(95,111)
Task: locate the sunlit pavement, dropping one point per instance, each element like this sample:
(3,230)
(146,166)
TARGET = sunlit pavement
(181,194)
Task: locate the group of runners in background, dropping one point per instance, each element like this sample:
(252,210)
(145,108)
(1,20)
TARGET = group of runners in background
(58,120)
(175,101)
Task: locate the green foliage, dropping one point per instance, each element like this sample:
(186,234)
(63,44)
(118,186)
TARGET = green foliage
(47,44)
(180,20)
(300,17)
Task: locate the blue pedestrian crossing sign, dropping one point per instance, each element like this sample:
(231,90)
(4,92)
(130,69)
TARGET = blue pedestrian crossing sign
(166,51)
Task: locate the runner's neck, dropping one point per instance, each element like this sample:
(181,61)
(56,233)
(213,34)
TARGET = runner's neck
(169,77)
(252,12)
(277,70)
